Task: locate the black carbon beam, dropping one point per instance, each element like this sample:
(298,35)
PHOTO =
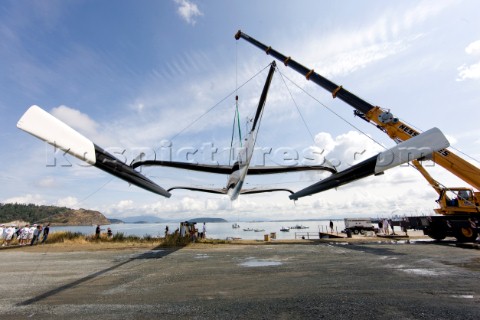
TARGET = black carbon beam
(110,164)
(356,172)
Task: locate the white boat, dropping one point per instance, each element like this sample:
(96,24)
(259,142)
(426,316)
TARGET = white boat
(235,225)
(299,227)
(259,230)
(285,229)
(248,229)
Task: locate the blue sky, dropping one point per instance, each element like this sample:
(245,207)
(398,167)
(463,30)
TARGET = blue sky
(133,75)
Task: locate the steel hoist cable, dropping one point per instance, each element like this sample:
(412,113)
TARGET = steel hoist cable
(217,104)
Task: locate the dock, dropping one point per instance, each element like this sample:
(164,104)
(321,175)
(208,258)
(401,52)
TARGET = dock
(319,235)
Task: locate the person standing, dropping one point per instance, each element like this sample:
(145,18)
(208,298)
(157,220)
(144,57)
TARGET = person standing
(30,234)
(392,226)
(97,232)
(8,236)
(204,231)
(23,235)
(182,229)
(36,234)
(404,226)
(166,231)
(46,230)
(331,226)
(40,229)
(386,226)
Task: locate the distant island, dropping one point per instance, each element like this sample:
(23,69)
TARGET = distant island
(115,221)
(56,216)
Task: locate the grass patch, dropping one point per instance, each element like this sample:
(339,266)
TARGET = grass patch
(215,241)
(63,236)
(171,240)
(119,237)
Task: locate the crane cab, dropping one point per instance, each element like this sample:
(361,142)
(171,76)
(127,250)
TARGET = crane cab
(458,200)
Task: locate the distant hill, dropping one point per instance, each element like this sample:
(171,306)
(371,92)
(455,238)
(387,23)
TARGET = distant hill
(115,221)
(210,220)
(80,217)
(32,213)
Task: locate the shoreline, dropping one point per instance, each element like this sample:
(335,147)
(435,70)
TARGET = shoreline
(158,243)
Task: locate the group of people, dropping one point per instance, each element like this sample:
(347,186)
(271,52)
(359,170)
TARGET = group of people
(187,229)
(97,232)
(384,227)
(27,235)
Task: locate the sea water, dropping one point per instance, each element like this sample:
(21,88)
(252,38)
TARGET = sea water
(220,230)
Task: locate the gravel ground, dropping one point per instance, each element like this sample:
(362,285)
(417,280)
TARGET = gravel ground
(422,280)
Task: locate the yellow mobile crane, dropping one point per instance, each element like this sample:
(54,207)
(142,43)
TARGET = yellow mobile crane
(459,207)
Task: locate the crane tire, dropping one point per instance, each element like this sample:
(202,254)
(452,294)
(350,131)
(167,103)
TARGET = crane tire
(466,234)
(437,235)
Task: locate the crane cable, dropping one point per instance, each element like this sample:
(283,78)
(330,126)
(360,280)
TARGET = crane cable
(217,104)
(236,94)
(296,105)
(301,115)
(333,112)
(236,120)
(236,115)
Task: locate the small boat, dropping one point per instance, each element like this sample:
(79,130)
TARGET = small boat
(248,229)
(235,225)
(284,229)
(259,230)
(299,227)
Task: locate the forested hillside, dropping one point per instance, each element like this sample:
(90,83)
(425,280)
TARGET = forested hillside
(56,215)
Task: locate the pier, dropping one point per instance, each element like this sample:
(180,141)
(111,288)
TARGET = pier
(319,235)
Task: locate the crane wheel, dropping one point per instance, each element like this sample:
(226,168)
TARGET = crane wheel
(437,234)
(466,234)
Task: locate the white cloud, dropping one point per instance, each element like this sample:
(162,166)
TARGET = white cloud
(124,204)
(466,72)
(352,60)
(423,11)
(68,202)
(346,149)
(471,71)
(188,11)
(325,141)
(106,136)
(26,199)
(392,32)
(473,48)
(76,120)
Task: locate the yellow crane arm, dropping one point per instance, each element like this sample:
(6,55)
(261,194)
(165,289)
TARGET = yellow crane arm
(399,131)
